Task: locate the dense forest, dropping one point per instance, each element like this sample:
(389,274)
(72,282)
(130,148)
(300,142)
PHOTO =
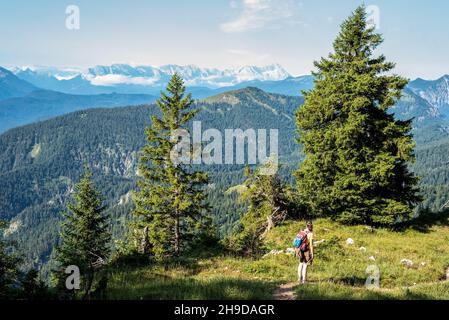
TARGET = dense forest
(346,151)
(40,163)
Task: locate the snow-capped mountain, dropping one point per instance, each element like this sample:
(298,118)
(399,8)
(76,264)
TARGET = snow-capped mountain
(436,92)
(11,86)
(193,75)
(128,75)
(49,72)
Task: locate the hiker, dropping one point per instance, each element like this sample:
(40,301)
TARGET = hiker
(304,249)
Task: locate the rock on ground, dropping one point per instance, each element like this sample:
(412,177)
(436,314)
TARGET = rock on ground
(407,262)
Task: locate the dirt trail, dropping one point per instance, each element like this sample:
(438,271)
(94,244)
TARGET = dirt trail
(285,291)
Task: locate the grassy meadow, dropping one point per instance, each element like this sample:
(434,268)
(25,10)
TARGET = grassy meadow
(338,272)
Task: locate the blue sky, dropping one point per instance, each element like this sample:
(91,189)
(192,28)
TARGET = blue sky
(217,33)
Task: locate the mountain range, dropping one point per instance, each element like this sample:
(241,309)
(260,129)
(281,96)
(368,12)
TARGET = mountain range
(124,78)
(11,86)
(63,90)
(40,162)
(34,94)
(44,104)
(436,92)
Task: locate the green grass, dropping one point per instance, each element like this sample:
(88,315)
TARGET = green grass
(337,262)
(332,291)
(338,272)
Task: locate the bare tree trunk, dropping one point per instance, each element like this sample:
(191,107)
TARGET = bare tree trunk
(270,223)
(144,243)
(267,226)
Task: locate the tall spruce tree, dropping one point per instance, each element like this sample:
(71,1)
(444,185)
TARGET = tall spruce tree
(170,202)
(84,234)
(356,153)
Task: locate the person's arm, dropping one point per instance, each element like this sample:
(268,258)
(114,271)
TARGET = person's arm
(310,235)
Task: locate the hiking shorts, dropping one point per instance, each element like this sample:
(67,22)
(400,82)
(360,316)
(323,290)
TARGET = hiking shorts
(304,256)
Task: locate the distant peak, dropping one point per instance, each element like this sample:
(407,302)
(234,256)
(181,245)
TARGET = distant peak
(239,95)
(4,71)
(246,90)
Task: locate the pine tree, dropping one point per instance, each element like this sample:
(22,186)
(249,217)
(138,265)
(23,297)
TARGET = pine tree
(269,203)
(84,234)
(355,168)
(170,202)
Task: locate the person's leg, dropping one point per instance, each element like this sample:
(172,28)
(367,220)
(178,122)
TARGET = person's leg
(304,272)
(300,270)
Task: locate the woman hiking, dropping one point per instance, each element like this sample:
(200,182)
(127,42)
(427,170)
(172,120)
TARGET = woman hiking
(305,252)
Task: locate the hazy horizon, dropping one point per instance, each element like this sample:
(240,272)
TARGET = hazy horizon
(218,34)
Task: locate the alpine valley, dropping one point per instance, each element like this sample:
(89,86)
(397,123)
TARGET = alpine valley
(55,119)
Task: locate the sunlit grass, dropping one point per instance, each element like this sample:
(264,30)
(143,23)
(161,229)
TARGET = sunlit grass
(338,272)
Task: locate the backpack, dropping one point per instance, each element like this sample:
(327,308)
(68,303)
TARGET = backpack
(300,241)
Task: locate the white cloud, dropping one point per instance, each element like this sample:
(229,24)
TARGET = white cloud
(115,79)
(258,14)
(250,56)
(233,4)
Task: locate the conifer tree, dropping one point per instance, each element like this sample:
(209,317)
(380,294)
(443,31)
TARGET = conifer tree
(356,153)
(84,234)
(170,202)
(269,203)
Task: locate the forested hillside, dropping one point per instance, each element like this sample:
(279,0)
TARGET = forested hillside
(42,104)
(39,163)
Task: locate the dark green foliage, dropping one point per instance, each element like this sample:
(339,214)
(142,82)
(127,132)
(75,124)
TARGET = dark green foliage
(14,283)
(9,271)
(33,288)
(432,165)
(170,202)
(356,152)
(84,235)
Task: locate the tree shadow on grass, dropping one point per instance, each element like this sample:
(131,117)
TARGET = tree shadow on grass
(353,281)
(207,249)
(425,220)
(194,289)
